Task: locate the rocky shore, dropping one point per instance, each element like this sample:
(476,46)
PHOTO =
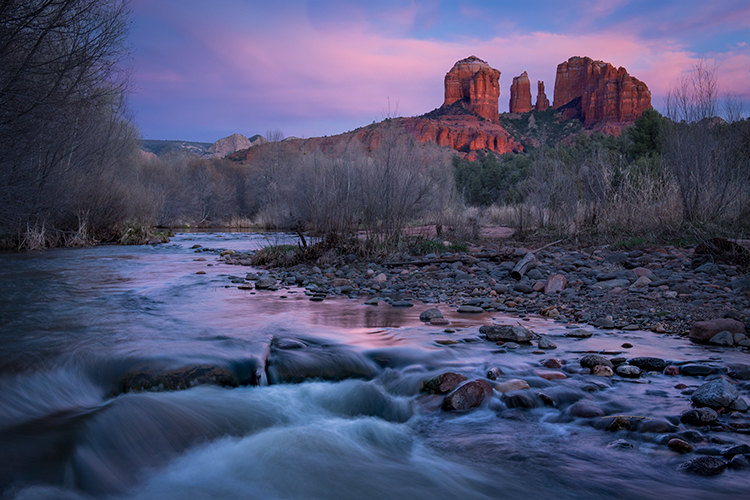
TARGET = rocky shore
(666,290)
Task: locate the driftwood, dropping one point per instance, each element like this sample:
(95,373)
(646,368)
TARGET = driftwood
(528,262)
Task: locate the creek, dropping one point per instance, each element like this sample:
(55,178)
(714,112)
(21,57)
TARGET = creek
(337,412)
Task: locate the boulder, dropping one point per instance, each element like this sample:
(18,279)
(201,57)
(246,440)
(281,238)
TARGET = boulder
(715,394)
(265,282)
(506,333)
(699,417)
(555,283)
(592,360)
(704,331)
(739,371)
(722,339)
(467,396)
(698,370)
(628,371)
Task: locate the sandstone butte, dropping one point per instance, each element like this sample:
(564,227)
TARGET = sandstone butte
(602,96)
(520,94)
(476,84)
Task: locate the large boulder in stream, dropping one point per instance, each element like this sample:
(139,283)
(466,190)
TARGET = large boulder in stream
(159,379)
(443,383)
(715,394)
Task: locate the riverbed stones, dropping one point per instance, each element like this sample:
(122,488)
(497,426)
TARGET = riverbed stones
(739,449)
(470,309)
(590,361)
(602,371)
(648,364)
(543,342)
(555,283)
(722,339)
(494,373)
(740,462)
(578,333)
(699,417)
(443,383)
(628,371)
(430,314)
(467,396)
(715,394)
(265,282)
(513,384)
(511,333)
(738,371)
(692,370)
(585,409)
(148,379)
(520,399)
(704,331)
(704,466)
(680,445)
(552,363)
(604,323)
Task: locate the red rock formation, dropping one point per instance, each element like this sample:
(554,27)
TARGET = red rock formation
(520,94)
(475,84)
(542,103)
(606,94)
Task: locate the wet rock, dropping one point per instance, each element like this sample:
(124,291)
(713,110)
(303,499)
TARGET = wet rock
(703,331)
(506,332)
(560,395)
(680,446)
(740,462)
(699,417)
(430,314)
(513,384)
(620,444)
(402,303)
(672,370)
(704,466)
(715,394)
(550,375)
(467,396)
(265,282)
(372,302)
(722,339)
(619,424)
(552,363)
(470,309)
(604,323)
(578,333)
(148,379)
(739,405)
(648,364)
(740,449)
(592,360)
(655,426)
(520,399)
(285,343)
(697,370)
(603,371)
(439,322)
(443,384)
(585,409)
(494,373)
(739,371)
(628,371)
(545,343)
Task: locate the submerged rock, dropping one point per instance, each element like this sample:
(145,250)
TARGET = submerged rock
(430,314)
(648,364)
(699,416)
(590,361)
(179,378)
(704,466)
(680,446)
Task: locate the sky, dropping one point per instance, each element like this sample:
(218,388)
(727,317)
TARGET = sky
(205,70)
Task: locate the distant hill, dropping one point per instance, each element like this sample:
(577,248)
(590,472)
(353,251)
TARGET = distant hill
(161,148)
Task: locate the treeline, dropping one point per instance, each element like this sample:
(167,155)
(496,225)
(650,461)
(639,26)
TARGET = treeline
(68,151)
(661,178)
(295,185)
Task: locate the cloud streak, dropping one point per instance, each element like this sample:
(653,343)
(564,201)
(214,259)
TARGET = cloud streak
(203,73)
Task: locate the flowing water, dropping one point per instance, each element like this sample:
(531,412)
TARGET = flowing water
(337,412)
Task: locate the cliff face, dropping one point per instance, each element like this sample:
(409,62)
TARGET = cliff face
(474,84)
(520,94)
(598,93)
(542,103)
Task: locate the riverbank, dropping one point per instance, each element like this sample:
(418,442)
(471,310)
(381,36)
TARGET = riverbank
(662,289)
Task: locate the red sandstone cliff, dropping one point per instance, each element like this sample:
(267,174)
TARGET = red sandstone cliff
(542,103)
(598,93)
(475,84)
(520,94)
